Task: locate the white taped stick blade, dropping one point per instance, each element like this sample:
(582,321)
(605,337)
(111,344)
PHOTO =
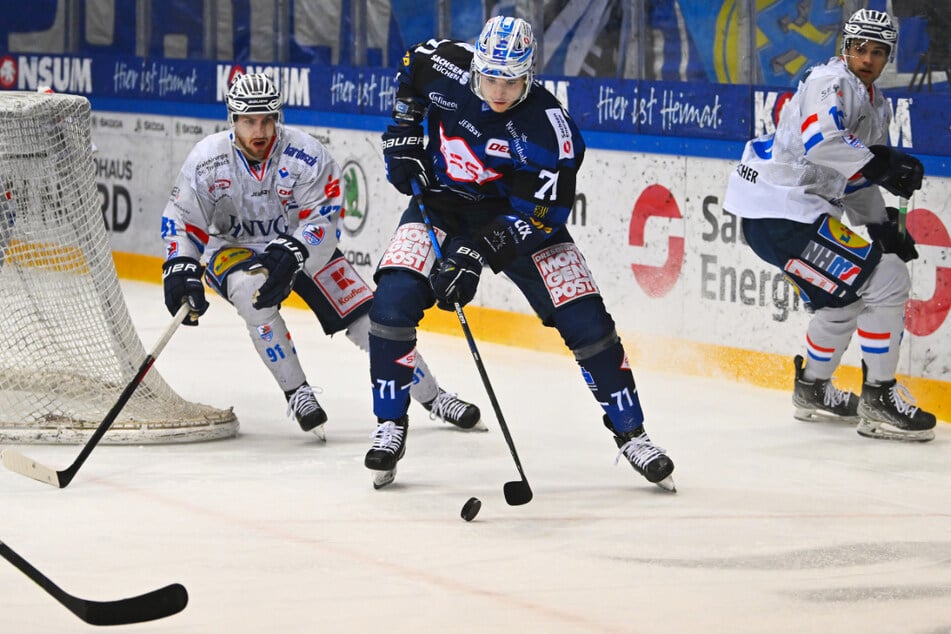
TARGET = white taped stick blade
(24,465)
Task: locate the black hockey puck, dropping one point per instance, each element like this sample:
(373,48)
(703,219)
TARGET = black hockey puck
(470,509)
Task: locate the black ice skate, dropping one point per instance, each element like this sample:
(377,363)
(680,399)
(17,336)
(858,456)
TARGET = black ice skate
(389,445)
(819,400)
(454,410)
(648,459)
(887,410)
(302,404)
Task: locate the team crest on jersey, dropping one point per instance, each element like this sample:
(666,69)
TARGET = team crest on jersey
(314,234)
(462,164)
(837,233)
(172,249)
(283,172)
(265,333)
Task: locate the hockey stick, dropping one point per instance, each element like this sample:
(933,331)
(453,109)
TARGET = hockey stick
(16,461)
(902,215)
(516,492)
(156,604)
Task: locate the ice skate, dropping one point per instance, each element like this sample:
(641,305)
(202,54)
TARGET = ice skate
(648,459)
(389,445)
(452,409)
(888,411)
(819,400)
(302,404)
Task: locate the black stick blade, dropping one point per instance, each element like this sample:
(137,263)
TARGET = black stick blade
(153,605)
(517,492)
(150,606)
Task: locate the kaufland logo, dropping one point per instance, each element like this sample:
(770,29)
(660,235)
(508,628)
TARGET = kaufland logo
(294,83)
(62,74)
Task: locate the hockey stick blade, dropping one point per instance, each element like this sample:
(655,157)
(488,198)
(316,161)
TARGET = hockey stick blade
(17,462)
(517,492)
(150,606)
(24,465)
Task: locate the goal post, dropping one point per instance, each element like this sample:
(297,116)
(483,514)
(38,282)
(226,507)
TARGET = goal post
(67,342)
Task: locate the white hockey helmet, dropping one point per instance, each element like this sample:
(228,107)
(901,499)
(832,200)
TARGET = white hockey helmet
(505,48)
(253,94)
(870,25)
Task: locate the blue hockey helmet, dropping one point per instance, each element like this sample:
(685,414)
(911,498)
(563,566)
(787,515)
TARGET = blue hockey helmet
(505,48)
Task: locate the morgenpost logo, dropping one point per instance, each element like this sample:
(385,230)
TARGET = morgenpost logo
(355,199)
(656,232)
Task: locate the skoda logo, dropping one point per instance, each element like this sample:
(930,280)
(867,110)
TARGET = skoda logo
(354,184)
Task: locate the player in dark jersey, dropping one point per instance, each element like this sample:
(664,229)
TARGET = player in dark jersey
(498,182)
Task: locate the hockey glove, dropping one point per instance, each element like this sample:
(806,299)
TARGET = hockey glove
(283,258)
(894,170)
(181,277)
(406,158)
(890,240)
(456,279)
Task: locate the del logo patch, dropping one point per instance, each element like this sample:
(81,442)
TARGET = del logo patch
(313,234)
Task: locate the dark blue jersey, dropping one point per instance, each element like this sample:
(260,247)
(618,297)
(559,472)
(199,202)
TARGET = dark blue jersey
(521,163)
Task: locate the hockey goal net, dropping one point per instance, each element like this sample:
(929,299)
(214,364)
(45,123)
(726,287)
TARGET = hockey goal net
(67,344)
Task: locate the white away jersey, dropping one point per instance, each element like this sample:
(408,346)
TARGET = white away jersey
(221,200)
(809,166)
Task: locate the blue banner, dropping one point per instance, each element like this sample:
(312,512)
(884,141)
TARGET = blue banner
(665,109)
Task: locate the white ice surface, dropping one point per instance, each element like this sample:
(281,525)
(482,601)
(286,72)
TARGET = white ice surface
(778,525)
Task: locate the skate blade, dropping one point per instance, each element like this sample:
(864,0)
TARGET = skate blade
(818,416)
(383,478)
(883,431)
(479,426)
(667,484)
(320,433)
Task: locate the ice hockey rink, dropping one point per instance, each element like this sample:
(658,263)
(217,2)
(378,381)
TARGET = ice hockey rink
(777,525)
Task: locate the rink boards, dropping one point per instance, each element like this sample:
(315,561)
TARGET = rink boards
(686,293)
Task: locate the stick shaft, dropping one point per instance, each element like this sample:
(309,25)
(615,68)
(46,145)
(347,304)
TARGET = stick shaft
(902,215)
(522,494)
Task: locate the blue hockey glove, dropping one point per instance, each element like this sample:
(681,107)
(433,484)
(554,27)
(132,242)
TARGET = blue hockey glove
(406,159)
(181,278)
(456,279)
(890,240)
(283,258)
(894,170)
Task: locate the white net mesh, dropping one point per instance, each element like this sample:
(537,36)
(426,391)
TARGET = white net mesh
(67,344)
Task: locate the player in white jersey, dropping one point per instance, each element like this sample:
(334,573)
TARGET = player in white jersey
(827,159)
(256,211)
